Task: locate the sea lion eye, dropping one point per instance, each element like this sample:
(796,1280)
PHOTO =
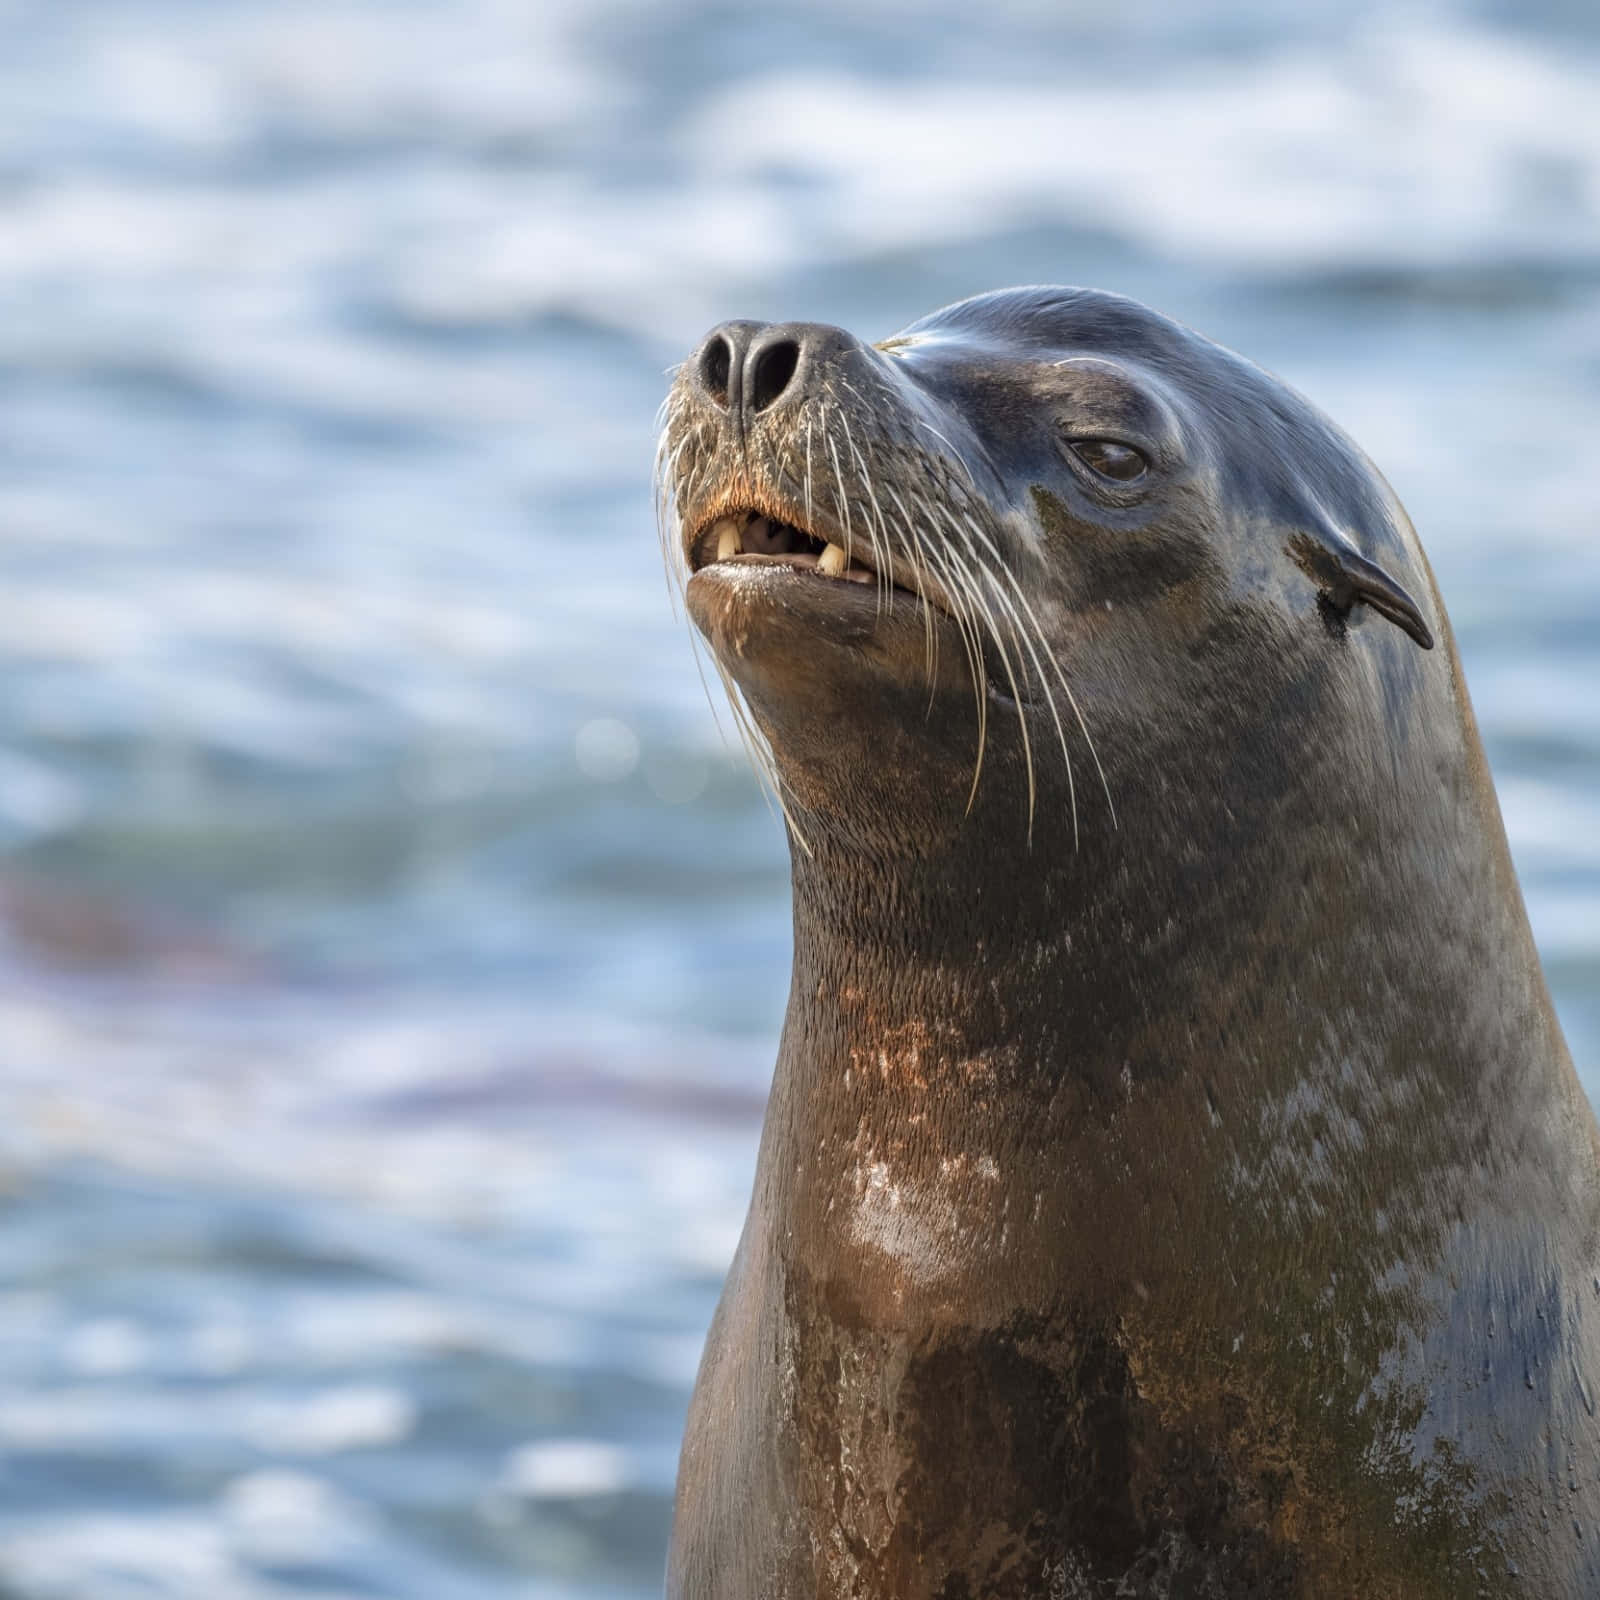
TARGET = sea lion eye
(1120,462)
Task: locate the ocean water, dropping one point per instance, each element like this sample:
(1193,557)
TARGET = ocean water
(391,951)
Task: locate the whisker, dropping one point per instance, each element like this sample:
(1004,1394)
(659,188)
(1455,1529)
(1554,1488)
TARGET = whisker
(759,752)
(961,460)
(880,554)
(841,499)
(956,594)
(980,599)
(810,518)
(1066,688)
(663,474)
(930,635)
(960,597)
(1023,638)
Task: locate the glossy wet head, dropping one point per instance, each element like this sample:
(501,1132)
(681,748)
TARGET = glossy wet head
(1026,529)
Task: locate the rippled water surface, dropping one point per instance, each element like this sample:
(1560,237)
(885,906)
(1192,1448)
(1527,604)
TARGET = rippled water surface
(391,953)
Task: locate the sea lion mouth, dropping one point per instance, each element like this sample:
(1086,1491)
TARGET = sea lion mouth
(750,536)
(744,536)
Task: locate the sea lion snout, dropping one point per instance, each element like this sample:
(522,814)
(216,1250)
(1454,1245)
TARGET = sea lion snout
(745,369)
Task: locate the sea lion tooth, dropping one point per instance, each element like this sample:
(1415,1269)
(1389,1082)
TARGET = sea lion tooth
(833,561)
(728,540)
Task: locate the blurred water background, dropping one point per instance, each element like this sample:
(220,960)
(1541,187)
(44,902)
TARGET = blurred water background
(391,954)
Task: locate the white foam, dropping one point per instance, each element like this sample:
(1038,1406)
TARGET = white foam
(277,1517)
(113,1557)
(349,1417)
(1433,140)
(106,1347)
(98,1556)
(1284,157)
(104,1417)
(360,1329)
(567,1469)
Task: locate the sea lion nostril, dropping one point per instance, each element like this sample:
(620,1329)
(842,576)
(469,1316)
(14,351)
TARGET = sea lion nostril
(716,361)
(773,368)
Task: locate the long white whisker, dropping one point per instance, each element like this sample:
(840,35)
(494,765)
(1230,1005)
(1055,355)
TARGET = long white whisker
(809,522)
(880,554)
(961,460)
(977,597)
(760,754)
(955,590)
(1066,688)
(664,474)
(1025,638)
(841,499)
(881,551)
(969,604)
(930,638)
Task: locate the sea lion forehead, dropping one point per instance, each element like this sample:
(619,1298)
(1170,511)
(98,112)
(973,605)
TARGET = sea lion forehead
(1045,329)
(1013,353)
(1040,319)
(1092,341)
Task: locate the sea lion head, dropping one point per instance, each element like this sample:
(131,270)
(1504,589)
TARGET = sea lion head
(1041,553)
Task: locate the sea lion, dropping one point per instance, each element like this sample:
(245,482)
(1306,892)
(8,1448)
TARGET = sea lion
(1174,1181)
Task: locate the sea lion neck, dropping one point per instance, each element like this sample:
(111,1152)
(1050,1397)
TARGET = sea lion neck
(986,941)
(1069,967)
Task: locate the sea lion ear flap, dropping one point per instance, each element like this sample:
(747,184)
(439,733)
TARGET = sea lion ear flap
(1343,575)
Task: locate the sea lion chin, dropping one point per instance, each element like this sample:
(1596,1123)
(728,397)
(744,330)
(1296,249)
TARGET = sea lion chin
(1174,1181)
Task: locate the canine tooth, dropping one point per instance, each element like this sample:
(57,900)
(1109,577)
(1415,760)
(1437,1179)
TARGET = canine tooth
(728,542)
(833,561)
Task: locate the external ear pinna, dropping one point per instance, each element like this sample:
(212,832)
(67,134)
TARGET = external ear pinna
(1344,576)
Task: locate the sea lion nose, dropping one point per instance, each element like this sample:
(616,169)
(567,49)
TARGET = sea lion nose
(745,368)
(769,368)
(719,367)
